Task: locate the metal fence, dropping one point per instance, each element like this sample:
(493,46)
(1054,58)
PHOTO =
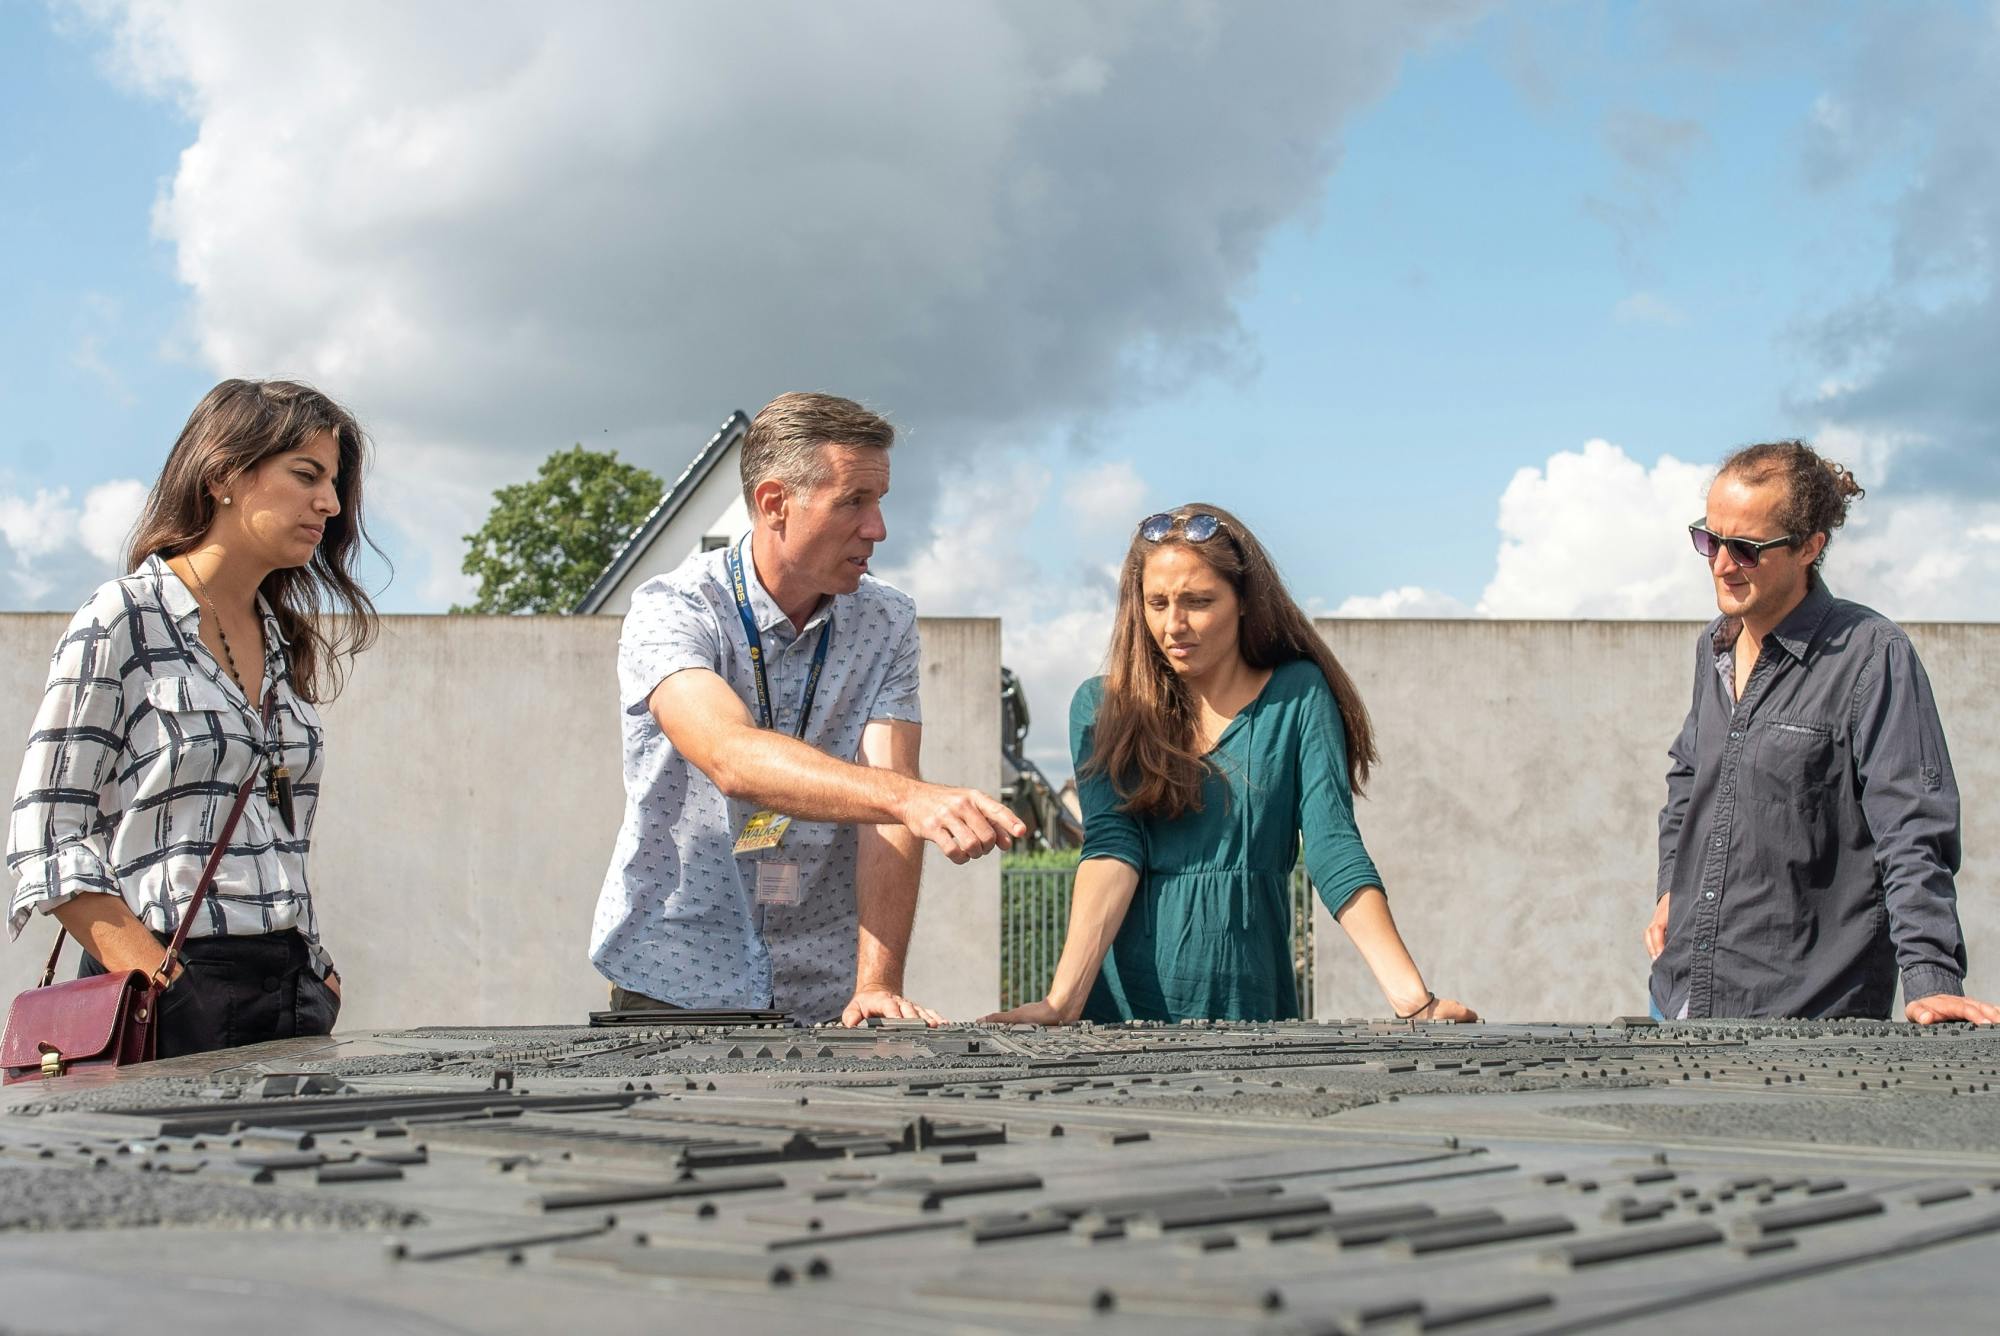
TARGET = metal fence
(1034,916)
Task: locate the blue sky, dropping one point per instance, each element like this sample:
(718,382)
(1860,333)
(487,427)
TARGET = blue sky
(1371,276)
(80,164)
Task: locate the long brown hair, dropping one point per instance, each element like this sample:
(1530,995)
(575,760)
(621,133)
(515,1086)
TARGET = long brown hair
(236,426)
(1145,734)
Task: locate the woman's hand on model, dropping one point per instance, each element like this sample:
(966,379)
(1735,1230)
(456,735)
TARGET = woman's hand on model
(1034,1013)
(1428,1006)
(1447,1009)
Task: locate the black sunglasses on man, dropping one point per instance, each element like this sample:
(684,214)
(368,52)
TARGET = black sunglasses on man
(1746,552)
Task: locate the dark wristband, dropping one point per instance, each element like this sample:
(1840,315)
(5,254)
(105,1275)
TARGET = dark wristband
(1430,1000)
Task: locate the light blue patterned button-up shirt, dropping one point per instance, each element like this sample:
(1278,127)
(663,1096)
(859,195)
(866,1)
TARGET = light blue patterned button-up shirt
(677,919)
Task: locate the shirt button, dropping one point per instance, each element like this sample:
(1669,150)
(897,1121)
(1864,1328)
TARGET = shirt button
(1716,842)
(1708,895)
(1701,946)
(1735,732)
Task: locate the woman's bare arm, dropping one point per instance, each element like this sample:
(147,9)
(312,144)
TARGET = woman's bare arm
(1101,895)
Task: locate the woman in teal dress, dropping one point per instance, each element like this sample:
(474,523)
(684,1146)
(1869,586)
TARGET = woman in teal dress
(1224,734)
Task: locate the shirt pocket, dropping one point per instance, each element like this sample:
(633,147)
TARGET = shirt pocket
(193,722)
(298,727)
(180,694)
(1798,763)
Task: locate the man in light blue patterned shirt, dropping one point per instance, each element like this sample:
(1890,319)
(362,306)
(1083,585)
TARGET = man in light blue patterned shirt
(774,818)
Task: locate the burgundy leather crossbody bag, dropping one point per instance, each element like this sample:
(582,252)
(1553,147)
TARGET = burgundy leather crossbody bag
(107,1020)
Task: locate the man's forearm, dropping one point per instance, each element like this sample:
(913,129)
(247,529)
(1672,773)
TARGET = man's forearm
(781,773)
(888,865)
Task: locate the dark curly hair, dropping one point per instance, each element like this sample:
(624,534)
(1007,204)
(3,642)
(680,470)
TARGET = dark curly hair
(1817,490)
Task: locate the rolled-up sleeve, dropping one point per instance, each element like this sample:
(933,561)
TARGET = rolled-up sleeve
(1335,857)
(1108,832)
(56,841)
(1680,774)
(1910,797)
(666,631)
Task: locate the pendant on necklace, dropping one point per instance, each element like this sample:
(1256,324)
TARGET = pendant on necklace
(279,793)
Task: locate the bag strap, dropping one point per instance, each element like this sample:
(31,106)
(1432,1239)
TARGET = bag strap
(207,872)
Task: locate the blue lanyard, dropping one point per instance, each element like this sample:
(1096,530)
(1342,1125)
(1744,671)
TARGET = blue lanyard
(739,587)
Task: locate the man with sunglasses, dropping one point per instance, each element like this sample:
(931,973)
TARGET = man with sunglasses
(1811,831)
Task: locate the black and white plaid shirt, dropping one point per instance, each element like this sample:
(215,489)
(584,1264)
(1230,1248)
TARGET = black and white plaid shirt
(138,749)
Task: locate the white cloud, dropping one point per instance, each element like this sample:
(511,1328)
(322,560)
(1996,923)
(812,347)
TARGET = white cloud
(1920,558)
(51,547)
(1406,601)
(110,510)
(1594,533)
(493,230)
(980,559)
(35,527)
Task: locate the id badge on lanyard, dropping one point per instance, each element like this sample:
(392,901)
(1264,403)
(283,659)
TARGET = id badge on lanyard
(778,879)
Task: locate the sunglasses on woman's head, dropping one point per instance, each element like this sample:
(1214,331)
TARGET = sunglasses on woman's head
(1746,552)
(1196,528)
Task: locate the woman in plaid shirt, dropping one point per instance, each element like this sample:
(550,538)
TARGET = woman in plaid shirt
(155,714)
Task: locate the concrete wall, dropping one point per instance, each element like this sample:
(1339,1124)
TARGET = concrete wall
(470,803)
(1514,813)
(473,794)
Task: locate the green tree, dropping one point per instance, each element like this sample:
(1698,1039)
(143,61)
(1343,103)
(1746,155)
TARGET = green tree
(545,542)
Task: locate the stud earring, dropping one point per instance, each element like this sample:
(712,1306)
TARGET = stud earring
(225,501)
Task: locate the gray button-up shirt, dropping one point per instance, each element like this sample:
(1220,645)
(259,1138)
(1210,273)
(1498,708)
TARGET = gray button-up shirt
(1811,830)
(677,918)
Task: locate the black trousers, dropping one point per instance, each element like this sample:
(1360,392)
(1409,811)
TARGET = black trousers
(239,990)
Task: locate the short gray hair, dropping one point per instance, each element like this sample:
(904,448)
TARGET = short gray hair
(785,437)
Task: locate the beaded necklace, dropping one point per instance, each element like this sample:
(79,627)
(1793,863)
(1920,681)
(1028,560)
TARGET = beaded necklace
(278,792)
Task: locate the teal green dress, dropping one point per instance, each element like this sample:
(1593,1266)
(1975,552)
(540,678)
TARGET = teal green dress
(1209,932)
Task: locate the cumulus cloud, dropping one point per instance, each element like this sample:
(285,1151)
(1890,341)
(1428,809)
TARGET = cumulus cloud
(980,559)
(1594,533)
(51,546)
(1917,354)
(109,512)
(1405,601)
(493,231)
(1925,558)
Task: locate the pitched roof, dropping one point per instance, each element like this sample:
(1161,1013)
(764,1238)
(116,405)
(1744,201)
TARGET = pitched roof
(651,527)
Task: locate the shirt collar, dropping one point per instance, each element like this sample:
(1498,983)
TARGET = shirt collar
(181,603)
(771,617)
(175,596)
(1802,623)
(1795,633)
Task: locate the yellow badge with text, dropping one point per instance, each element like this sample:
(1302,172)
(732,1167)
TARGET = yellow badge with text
(764,830)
